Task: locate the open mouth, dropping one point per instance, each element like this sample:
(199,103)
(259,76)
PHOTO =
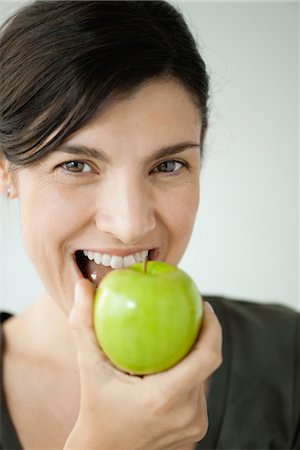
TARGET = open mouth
(95,266)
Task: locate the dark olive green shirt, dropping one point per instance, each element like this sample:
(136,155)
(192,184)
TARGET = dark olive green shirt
(254,397)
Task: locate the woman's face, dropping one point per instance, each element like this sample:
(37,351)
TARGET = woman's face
(124,185)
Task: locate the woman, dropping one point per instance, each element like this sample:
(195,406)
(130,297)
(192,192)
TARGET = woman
(103,120)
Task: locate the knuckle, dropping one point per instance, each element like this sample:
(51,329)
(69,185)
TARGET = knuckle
(218,359)
(198,418)
(199,425)
(196,430)
(199,429)
(215,359)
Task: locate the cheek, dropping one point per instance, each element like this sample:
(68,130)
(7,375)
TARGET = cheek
(48,216)
(180,219)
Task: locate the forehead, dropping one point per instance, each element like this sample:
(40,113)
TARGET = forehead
(160,110)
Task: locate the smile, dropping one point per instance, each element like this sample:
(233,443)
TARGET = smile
(114,261)
(95,265)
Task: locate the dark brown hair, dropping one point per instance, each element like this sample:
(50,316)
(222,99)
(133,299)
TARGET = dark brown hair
(61,62)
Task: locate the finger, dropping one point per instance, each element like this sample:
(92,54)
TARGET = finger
(202,361)
(81,313)
(81,323)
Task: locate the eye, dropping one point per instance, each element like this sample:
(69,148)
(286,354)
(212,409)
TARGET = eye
(76,166)
(171,166)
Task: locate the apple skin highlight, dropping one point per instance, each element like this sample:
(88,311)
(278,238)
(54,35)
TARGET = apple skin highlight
(146,322)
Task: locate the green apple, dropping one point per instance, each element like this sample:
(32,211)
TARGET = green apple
(147,316)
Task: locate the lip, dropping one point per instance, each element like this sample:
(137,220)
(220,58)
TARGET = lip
(121,252)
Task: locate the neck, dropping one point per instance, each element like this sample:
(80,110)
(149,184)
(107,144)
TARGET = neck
(45,328)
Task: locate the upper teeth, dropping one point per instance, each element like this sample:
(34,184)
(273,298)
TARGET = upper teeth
(116,262)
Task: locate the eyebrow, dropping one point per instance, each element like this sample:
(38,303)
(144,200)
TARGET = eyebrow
(100,154)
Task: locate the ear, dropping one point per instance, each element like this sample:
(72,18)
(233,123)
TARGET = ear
(7,181)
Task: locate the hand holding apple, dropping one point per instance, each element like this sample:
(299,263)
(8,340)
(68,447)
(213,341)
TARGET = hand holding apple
(146,321)
(117,408)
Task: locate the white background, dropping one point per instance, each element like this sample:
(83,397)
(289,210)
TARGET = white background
(245,242)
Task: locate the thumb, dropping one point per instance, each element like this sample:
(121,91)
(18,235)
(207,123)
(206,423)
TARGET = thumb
(81,323)
(82,310)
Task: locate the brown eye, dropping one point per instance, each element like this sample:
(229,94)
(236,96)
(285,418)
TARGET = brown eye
(76,166)
(169,167)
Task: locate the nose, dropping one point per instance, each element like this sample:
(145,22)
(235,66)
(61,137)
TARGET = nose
(127,212)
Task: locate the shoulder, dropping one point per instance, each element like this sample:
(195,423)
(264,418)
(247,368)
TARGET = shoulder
(266,324)
(262,346)
(261,336)
(252,309)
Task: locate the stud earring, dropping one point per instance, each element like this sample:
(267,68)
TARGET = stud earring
(8,192)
